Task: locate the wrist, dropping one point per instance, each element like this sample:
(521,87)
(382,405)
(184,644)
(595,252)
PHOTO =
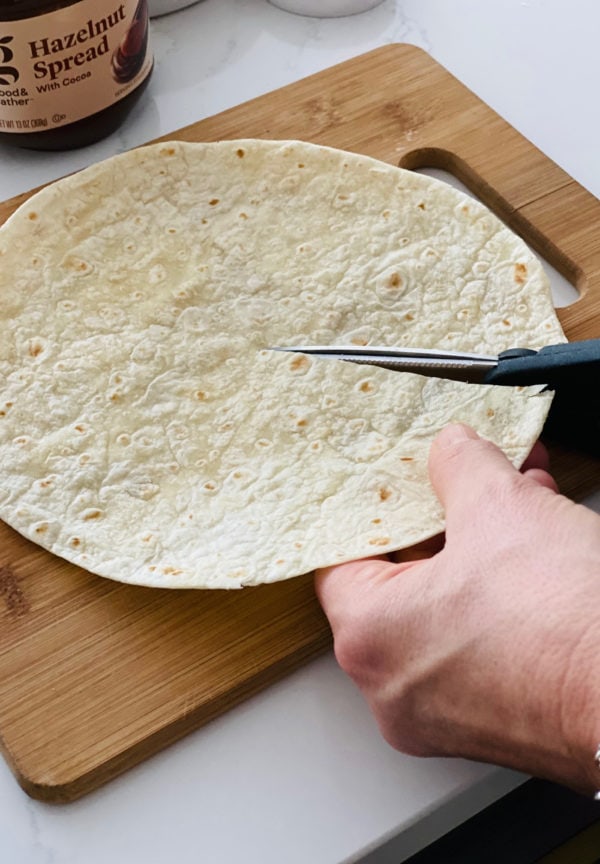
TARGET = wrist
(580,716)
(556,732)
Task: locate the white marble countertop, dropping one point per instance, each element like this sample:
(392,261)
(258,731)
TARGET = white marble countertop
(299,774)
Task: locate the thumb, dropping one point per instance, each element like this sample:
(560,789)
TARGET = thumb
(461,465)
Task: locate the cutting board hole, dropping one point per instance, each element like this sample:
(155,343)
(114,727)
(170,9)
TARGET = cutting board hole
(564,292)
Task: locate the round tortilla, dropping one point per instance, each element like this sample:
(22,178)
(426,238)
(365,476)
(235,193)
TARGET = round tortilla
(146,431)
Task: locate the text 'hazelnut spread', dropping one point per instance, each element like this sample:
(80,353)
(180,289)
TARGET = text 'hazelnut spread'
(70,72)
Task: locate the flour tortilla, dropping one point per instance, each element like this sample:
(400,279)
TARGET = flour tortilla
(145,432)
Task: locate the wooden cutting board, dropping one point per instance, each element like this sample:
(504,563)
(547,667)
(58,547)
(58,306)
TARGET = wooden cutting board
(95,675)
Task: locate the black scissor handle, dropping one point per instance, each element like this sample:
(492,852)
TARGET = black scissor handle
(574,419)
(572,371)
(570,364)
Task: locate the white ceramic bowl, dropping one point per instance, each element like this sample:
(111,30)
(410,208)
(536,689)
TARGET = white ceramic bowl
(163,7)
(325,8)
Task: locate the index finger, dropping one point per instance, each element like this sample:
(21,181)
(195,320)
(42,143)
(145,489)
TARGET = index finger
(341,587)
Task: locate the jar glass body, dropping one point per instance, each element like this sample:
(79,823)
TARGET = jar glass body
(52,52)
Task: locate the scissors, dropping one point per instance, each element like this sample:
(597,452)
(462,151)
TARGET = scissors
(570,369)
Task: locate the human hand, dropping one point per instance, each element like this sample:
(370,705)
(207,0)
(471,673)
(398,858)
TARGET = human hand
(488,649)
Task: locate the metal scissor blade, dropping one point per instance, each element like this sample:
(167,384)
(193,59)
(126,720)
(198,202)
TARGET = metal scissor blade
(455,365)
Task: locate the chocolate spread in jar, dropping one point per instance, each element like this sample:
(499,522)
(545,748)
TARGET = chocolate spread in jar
(70,70)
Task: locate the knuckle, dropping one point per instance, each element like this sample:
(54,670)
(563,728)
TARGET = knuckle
(503,493)
(404,741)
(400,727)
(357,649)
(518,499)
(352,652)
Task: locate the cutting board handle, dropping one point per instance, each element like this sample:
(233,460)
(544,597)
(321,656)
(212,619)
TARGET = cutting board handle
(440,123)
(559,224)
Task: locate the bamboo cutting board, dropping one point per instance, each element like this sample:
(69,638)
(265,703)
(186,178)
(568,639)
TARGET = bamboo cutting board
(96,675)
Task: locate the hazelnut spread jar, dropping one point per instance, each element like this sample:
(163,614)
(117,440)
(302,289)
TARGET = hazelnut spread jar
(70,70)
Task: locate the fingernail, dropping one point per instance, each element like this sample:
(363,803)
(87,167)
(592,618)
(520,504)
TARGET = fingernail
(454,433)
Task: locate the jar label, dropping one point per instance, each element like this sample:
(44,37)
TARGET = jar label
(67,65)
